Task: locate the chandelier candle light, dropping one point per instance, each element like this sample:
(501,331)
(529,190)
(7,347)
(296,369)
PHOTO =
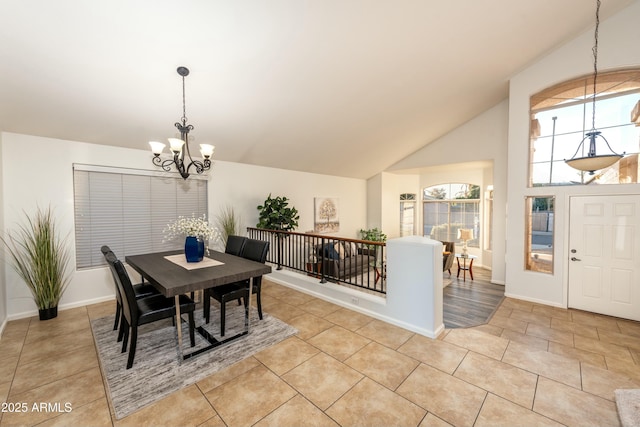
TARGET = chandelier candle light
(593,162)
(180,146)
(465,234)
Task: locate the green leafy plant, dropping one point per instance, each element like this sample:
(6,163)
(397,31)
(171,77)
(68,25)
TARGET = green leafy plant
(40,257)
(228,223)
(275,214)
(373,235)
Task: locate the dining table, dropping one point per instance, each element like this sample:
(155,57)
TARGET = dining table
(172,276)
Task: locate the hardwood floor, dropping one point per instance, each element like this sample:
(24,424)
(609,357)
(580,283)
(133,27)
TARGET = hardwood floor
(471,302)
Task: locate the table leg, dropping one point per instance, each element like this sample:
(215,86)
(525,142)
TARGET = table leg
(179,328)
(470,270)
(247,310)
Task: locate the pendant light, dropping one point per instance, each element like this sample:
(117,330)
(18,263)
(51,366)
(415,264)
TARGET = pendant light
(592,161)
(180,146)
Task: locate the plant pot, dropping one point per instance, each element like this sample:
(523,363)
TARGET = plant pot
(48,313)
(194,249)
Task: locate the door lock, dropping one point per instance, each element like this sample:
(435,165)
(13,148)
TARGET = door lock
(575,259)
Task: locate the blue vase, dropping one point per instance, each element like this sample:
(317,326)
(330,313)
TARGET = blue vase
(194,249)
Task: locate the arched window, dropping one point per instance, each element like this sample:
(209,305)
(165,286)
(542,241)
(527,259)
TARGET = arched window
(449,207)
(562,114)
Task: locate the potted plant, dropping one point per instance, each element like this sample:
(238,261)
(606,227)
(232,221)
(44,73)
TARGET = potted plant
(373,235)
(275,214)
(40,257)
(228,223)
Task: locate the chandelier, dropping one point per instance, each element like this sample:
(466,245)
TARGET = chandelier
(592,161)
(180,146)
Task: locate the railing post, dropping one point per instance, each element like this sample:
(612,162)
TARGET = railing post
(279,241)
(322,276)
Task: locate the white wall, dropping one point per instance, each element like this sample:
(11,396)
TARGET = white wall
(49,181)
(393,186)
(478,147)
(3,288)
(383,201)
(247,186)
(619,39)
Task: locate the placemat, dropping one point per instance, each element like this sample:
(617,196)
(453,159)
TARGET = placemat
(182,262)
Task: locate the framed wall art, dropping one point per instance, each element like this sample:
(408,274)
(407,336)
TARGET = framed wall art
(326,218)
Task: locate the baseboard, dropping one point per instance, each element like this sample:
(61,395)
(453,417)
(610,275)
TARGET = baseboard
(534,300)
(62,307)
(4,325)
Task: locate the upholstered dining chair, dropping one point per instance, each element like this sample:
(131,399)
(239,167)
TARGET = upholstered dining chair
(141,290)
(138,312)
(255,250)
(235,245)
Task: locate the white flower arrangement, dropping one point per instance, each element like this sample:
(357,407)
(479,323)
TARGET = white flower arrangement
(194,227)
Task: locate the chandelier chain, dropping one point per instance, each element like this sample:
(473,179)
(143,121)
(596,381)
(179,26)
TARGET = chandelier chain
(184,108)
(595,65)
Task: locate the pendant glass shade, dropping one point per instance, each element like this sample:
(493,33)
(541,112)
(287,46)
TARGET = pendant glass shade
(156,147)
(176,144)
(206,150)
(592,162)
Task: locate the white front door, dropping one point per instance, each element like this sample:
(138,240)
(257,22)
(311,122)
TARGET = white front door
(604,255)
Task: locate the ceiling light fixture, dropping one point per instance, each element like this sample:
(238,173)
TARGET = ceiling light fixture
(593,162)
(180,145)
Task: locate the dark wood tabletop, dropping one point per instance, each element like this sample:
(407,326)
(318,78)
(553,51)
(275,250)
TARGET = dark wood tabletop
(171,279)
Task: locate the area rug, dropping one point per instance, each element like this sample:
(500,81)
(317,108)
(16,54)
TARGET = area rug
(156,372)
(628,404)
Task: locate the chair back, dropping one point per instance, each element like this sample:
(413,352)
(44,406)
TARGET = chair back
(447,261)
(128,295)
(235,245)
(109,256)
(256,250)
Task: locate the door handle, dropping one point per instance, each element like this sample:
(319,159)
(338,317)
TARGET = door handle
(575,259)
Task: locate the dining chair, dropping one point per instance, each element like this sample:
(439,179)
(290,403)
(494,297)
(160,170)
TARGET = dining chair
(141,290)
(138,312)
(235,245)
(254,250)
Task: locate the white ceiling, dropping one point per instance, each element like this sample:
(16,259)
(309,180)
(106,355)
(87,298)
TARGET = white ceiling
(339,87)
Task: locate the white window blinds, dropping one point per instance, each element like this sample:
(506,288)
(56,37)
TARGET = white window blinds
(129,211)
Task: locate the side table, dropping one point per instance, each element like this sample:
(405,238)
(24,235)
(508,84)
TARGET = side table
(464,267)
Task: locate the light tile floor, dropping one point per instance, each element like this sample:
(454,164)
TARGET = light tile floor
(530,365)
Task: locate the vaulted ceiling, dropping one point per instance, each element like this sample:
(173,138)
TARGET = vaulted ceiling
(339,87)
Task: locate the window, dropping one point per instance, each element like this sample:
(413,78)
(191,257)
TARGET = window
(562,114)
(407,214)
(539,234)
(129,211)
(449,207)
